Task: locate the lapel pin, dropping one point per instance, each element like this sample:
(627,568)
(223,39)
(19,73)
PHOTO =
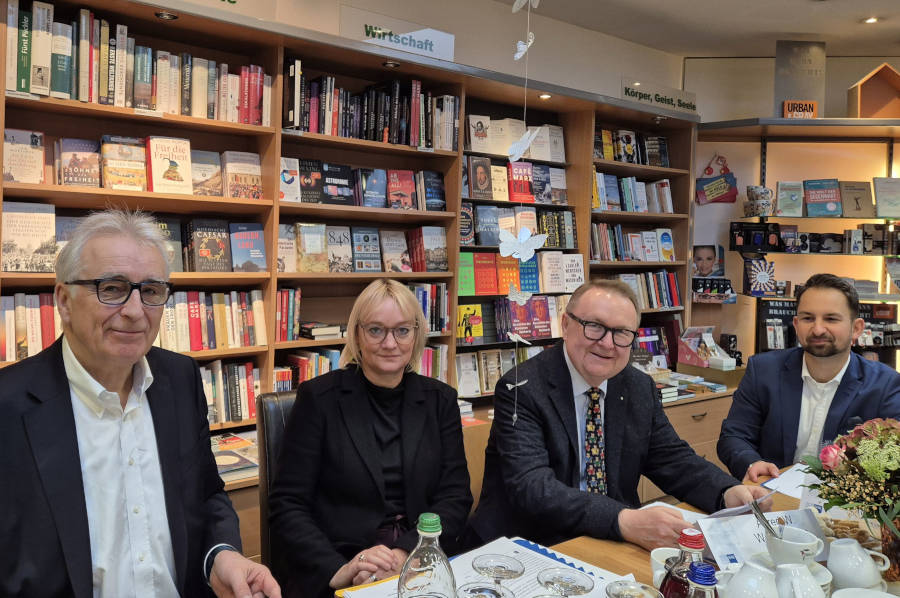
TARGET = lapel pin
(512,386)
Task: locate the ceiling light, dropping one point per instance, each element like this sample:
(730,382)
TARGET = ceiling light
(637,83)
(545,96)
(871,20)
(390,64)
(165,15)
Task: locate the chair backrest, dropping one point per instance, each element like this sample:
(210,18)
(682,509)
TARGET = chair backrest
(272,411)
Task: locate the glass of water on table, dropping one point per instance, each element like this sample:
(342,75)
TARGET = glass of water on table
(497,567)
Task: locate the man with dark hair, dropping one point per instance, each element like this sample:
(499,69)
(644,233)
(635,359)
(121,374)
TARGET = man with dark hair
(569,443)
(791,401)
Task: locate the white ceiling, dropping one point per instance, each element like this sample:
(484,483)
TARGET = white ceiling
(700,28)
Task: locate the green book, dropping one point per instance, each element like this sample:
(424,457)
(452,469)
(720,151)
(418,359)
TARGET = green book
(24,65)
(61,61)
(466,284)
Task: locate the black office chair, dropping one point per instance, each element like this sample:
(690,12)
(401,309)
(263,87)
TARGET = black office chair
(272,411)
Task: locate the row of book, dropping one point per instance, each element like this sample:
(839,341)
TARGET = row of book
(514,181)
(486,273)
(29,323)
(314,181)
(301,366)
(392,112)
(477,372)
(490,321)
(204,320)
(627,194)
(634,147)
(231,389)
(91,60)
(487,135)
(307,247)
(158,164)
(654,290)
(610,242)
(816,198)
(481,225)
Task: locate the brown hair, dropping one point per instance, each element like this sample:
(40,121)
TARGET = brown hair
(830,281)
(606,284)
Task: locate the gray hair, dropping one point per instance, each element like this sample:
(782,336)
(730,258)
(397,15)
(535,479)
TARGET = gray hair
(137,225)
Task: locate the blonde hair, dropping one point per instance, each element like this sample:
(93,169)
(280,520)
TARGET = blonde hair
(364,307)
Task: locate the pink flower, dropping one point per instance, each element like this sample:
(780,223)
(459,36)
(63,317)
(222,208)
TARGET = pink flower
(831,457)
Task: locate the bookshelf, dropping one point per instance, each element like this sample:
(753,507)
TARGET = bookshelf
(328,296)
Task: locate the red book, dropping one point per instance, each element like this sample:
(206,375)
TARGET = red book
(247,318)
(416,249)
(540,316)
(285,295)
(254,95)
(194,321)
(673,288)
(244,106)
(520,177)
(313,114)
(520,318)
(401,189)
(414,113)
(47,328)
(485,267)
(250,412)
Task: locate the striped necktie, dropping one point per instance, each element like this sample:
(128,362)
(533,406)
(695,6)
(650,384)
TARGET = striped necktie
(594,452)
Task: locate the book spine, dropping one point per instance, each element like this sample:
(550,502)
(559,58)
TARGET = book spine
(84,54)
(121,65)
(222,101)
(112,55)
(12,44)
(204,333)
(33,324)
(212,98)
(60,61)
(23,70)
(41,47)
(103,90)
(251,392)
(186,76)
(95,59)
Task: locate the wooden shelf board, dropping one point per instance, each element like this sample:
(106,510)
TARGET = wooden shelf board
(834,129)
(242,483)
(662,310)
(229,425)
(349,143)
(332,277)
(20,280)
(226,353)
(817,218)
(332,212)
(513,204)
(507,344)
(180,279)
(76,108)
(620,216)
(497,248)
(305,343)
(637,170)
(633,265)
(505,294)
(812,253)
(505,158)
(93,198)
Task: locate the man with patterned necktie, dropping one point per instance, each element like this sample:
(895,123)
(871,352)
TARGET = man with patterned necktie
(569,444)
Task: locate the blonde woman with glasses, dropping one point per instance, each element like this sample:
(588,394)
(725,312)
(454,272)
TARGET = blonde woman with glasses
(367,448)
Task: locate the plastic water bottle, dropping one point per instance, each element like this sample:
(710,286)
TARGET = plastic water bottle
(427,571)
(701,581)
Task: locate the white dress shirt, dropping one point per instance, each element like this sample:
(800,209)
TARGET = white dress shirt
(131,548)
(580,387)
(815,403)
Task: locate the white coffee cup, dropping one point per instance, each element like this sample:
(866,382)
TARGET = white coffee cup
(795,581)
(658,558)
(852,566)
(795,546)
(751,580)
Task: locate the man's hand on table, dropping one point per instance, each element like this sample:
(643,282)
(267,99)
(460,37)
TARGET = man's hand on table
(743,494)
(760,468)
(651,528)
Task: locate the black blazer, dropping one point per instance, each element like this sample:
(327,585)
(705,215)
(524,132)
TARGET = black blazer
(43,521)
(532,471)
(327,497)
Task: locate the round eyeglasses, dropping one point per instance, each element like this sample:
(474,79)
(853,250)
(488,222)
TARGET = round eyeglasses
(377,334)
(595,331)
(115,291)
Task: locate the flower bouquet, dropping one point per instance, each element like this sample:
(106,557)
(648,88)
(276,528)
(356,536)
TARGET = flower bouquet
(861,471)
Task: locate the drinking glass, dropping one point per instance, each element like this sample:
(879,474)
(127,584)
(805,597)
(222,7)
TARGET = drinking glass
(496,566)
(565,581)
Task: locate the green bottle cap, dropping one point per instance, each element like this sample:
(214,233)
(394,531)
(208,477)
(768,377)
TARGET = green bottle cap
(429,523)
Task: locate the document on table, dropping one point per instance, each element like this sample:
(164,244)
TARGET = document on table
(790,482)
(533,556)
(689,516)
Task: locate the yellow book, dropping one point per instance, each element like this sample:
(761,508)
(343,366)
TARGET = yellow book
(468,324)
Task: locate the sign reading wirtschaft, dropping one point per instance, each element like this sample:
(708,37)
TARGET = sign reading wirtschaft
(388,32)
(640,90)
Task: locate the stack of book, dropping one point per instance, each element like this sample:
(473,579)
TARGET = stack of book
(627,194)
(93,60)
(654,290)
(614,243)
(477,372)
(486,273)
(488,322)
(231,390)
(486,135)
(204,320)
(522,181)
(481,225)
(624,145)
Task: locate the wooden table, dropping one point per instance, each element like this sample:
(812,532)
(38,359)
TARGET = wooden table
(623,558)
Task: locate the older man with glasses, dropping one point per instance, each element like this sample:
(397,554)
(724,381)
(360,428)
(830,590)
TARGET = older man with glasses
(570,442)
(110,486)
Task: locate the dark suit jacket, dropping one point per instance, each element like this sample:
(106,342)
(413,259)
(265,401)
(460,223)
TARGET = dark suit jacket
(532,467)
(43,521)
(327,498)
(765,415)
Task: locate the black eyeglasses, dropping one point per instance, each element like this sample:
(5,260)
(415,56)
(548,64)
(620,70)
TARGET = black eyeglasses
(595,331)
(377,334)
(115,291)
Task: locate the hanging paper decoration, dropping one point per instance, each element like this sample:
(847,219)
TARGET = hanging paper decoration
(518,149)
(518,4)
(517,296)
(522,47)
(521,247)
(515,337)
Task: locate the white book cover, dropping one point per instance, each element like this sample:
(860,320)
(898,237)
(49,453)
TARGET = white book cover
(651,246)
(9,315)
(121,65)
(163,81)
(182,322)
(84,54)
(289,182)
(540,146)
(394,252)
(789,198)
(12,43)
(551,272)
(557,143)
(573,271)
(553,310)
(236,320)
(558,186)
(467,378)
(887,196)
(169,165)
(222,92)
(199,87)
(653,204)
(640,197)
(33,324)
(41,46)
(259,317)
(298,100)
(287,248)
(602,197)
(234,97)
(499,183)
(129,73)
(267,101)
(243,176)
(664,189)
(174,105)
(219,382)
(23,156)
(665,244)
(61,61)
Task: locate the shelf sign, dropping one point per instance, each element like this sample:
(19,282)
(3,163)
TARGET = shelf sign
(640,90)
(388,32)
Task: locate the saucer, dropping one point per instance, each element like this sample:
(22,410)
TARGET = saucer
(822,575)
(860,593)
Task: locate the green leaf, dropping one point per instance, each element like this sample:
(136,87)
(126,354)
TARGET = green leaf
(889,521)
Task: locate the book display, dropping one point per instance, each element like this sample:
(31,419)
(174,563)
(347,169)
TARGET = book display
(286,172)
